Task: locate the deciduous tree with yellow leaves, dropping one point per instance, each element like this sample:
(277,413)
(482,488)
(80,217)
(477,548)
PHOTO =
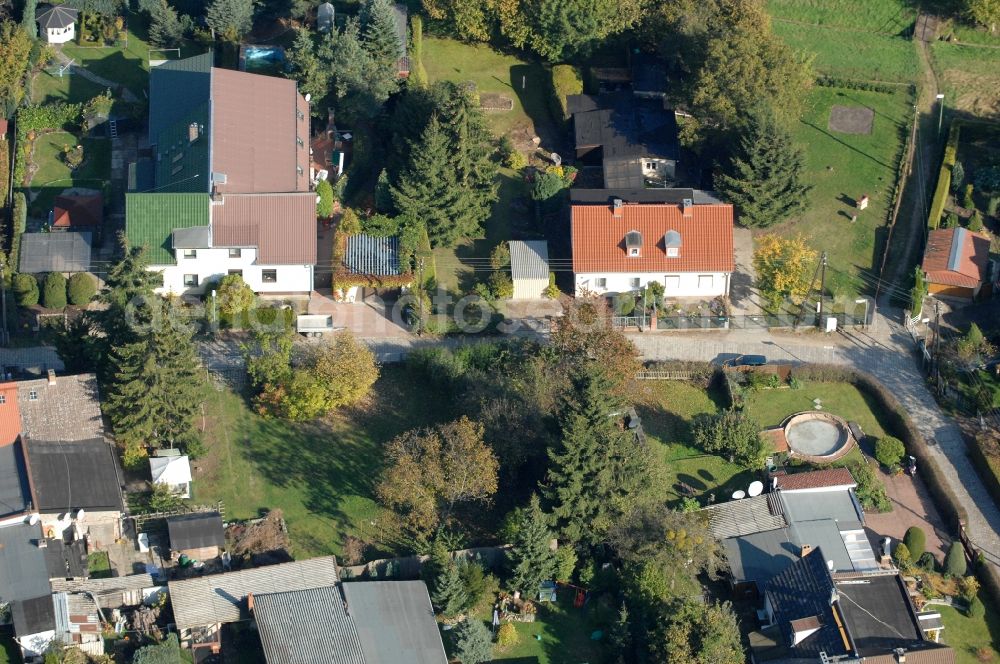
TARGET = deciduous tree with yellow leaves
(784,266)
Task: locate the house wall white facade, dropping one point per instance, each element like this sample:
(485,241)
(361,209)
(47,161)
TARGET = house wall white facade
(675,284)
(60,35)
(210,265)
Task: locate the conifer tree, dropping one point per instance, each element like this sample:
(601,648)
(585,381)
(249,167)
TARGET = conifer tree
(472,150)
(153,393)
(165,27)
(764,179)
(449,592)
(473,643)
(531,559)
(595,467)
(28,23)
(378,33)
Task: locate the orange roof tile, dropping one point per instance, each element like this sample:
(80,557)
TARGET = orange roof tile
(816,479)
(78,211)
(599,238)
(10,414)
(956,257)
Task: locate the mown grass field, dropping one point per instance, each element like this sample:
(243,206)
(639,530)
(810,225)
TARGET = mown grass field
(969,77)
(321,474)
(879,16)
(967,635)
(53,175)
(770,407)
(841,168)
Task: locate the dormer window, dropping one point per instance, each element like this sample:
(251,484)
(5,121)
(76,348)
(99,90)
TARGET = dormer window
(672,244)
(633,244)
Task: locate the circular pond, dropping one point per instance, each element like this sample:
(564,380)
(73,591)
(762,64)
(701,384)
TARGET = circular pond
(818,436)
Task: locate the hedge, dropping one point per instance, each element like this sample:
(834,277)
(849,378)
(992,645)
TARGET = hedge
(986,468)
(944,177)
(54,291)
(20,216)
(854,84)
(82,288)
(565,81)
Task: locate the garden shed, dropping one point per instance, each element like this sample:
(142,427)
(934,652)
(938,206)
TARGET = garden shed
(529,268)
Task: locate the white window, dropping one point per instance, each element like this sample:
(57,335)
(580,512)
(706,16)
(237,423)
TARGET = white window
(238,272)
(671,283)
(190,253)
(190,279)
(634,251)
(269,276)
(651,166)
(3,399)
(634,282)
(705,281)
(235,253)
(600,282)
(32,395)
(673,252)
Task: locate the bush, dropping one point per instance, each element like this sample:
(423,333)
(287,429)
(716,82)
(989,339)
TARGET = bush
(902,557)
(954,562)
(566,80)
(889,451)
(967,202)
(968,588)
(916,541)
(976,608)
(515,160)
(507,636)
(927,562)
(944,177)
(976,222)
(870,491)
(957,176)
(82,288)
(54,291)
(324,207)
(25,290)
(950,220)
(993,206)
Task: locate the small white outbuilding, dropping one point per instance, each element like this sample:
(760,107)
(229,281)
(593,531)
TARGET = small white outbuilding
(529,268)
(57,23)
(173,470)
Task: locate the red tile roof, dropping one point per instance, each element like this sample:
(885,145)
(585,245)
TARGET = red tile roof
(599,238)
(964,264)
(255,132)
(816,479)
(10,414)
(77,211)
(281,226)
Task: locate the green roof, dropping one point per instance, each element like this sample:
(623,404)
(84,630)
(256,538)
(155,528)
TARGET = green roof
(182,164)
(150,219)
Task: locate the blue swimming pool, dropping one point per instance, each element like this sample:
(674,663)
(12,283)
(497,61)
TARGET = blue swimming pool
(262,58)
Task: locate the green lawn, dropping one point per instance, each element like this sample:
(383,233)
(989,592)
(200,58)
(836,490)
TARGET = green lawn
(966,635)
(321,474)
(966,33)
(883,16)
(47,87)
(99,565)
(969,77)
(559,635)
(10,653)
(841,168)
(669,407)
(53,175)
(770,407)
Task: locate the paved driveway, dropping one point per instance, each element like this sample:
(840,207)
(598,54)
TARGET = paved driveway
(912,506)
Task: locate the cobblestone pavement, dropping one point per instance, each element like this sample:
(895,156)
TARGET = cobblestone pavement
(911,506)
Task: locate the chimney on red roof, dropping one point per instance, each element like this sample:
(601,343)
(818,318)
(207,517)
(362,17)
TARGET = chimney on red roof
(687,206)
(52,377)
(616,208)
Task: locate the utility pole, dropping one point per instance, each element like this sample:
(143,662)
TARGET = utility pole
(940,101)
(806,298)
(420,296)
(822,287)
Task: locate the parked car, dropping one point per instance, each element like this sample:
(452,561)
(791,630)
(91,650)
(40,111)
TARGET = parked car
(314,325)
(746,361)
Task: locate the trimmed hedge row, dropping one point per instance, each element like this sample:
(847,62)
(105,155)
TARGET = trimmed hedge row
(565,80)
(853,84)
(944,177)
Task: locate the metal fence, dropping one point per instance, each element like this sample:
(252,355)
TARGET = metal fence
(752,321)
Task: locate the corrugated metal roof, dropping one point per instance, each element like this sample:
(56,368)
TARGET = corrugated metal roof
(256,133)
(529,260)
(395,622)
(598,238)
(150,220)
(55,252)
(176,88)
(102,586)
(307,627)
(956,257)
(367,254)
(281,226)
(220,598)
(745,517)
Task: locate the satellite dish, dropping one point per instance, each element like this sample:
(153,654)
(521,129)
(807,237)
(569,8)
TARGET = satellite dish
(65,517)
(756,488)
(739,495)
(80,514)
(308,97)
(33,519)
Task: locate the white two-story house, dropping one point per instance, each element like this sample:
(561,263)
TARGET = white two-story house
(621,247)
(226,189)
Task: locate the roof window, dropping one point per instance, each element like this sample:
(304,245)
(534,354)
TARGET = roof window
(672,244)
(633,243)
(32,395)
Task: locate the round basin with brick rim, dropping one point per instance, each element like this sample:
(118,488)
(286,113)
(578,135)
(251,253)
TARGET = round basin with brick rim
(817,436)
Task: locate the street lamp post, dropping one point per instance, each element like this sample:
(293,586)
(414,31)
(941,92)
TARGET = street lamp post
(940,101)
(863,300)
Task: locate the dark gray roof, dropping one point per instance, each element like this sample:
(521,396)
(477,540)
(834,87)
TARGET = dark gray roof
(34,615)
(23,573)
(878,614)
(220,598)
(395,622)
(14,492)
(307,627)
(71,476)
(804,590)
(529,260)
(66,561)
(649,75)
(194,531)
(58,16)
(61,251)
(195,237)
(809,506)
(760,556)
(825,534)
(745,517)
(651,195)
(625,128)
(367,254)
(176,89)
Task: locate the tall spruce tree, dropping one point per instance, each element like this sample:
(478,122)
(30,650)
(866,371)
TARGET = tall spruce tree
(378,33)
(764,179)
(596,467)
(531,559)
(28,23)
(165,27)
(472,149)
(153,393)
(449,595)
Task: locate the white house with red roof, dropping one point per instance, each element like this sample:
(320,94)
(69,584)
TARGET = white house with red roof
(621,247)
